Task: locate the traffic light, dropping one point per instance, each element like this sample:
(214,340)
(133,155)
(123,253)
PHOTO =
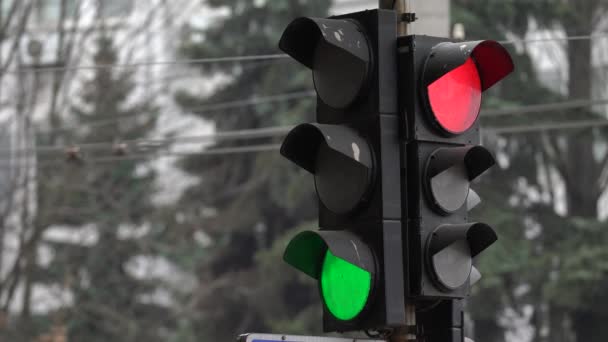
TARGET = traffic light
(353,151)
(441,85)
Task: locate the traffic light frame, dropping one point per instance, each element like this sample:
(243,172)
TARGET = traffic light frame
(354,153)
(393,153)
(441,85)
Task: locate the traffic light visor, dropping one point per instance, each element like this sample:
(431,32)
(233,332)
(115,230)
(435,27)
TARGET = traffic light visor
(451,249)
(454,77)
(455,98)
(337,52)
(338,157)
(449,172)
(307,250)
(342,263)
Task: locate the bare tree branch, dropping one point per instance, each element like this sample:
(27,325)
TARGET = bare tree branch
(15,48)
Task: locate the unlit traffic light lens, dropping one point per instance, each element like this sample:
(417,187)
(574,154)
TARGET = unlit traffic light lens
(345,287)
(455,98)
(341,182)
(338,75)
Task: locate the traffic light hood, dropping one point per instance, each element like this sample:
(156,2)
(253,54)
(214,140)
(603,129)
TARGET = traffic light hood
(449,172)
(493,61)
(337,52)
(479,236)
(476,159)
(304,35)
(303,143)
(307,250)
(450,252)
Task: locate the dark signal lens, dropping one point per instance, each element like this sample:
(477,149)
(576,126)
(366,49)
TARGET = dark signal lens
(455,98)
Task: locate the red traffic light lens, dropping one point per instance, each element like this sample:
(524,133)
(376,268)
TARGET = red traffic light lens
(455,98)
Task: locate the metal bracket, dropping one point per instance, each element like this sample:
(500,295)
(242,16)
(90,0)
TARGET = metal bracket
(409,17)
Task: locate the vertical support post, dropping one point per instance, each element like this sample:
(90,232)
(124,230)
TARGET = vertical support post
(410,316)
(444,322)
(408,332)
(401,7)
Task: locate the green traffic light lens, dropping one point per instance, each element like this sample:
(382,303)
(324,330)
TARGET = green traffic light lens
(345,287)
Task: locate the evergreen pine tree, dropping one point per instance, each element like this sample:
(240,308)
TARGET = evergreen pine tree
(256,197)
(109,303)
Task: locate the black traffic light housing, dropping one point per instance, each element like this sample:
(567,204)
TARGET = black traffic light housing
(353,151)
(393,154)
(441,84)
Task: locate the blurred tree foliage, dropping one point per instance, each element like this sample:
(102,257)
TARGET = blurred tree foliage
(548,259)
(102,205)
(246,202)
(547,265)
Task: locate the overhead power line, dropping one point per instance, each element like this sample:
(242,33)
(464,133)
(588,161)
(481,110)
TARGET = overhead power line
(244,58)
(155,144)
(555,39)
(253,101)
(193,61)
(311,94)
(545,107)
(211,107)
(549,127)
(210,152)
(519,129)
(269,132)
(275,147)
(278,131)
(146,156)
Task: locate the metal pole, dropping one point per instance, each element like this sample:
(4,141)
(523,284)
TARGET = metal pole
(401,7)
(406,333)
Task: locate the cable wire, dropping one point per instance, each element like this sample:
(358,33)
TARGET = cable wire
(549,127)
(254,101)
(546,107)
(275,147)
(311,94)
(519,129)
(244,58)
(278,131)
(146,156)
(544,40)
(210,152)
(194,61)
(154,144)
